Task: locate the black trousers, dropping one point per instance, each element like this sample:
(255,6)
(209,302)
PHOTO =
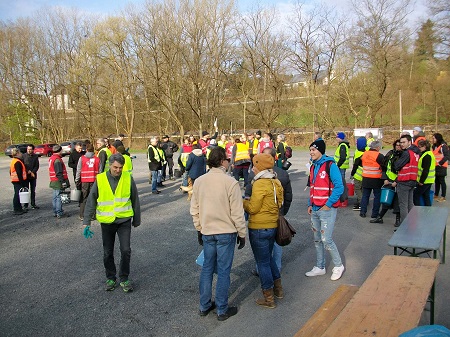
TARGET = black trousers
(438,184)
(16,201)
(32,187)
(123,231)
(169,162)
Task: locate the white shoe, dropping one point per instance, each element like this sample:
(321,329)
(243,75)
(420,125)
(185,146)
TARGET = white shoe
(316,271)
(337,273)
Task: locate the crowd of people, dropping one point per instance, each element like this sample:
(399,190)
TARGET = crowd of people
(211,171)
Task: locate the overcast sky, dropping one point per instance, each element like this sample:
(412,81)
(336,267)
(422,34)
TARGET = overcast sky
(13,9)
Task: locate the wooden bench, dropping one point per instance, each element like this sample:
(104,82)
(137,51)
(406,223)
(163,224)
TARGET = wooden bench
(390,301)
(422,232)
(327,313)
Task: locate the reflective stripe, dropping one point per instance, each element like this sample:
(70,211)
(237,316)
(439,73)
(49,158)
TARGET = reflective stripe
(432,172)
(105,203)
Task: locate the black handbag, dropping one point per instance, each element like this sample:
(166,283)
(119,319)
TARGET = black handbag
(285,232)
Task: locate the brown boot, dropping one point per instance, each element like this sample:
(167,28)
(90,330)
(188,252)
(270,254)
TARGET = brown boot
(278,289)
(268,301)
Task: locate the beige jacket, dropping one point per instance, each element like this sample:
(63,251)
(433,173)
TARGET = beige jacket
(216,204)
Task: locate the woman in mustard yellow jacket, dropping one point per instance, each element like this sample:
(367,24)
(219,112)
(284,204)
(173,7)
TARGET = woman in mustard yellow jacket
(263,208)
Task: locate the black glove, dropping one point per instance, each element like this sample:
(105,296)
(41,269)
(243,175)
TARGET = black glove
(200,238)
(241,242)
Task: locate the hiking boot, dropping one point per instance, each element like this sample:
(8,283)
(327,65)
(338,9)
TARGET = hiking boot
(397,221)
(356,207)
(337,273)
(110,285)
(268,301)
(440,199)
(316,271)
(207,311)
(230,312)
(377,220)
(126,286)
(278,289)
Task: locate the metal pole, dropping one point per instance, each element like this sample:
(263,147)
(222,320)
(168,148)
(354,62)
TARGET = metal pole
(400,106)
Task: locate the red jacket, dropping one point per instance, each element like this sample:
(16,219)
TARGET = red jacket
(410,170)
(322,187)
(89,169)
(51,167)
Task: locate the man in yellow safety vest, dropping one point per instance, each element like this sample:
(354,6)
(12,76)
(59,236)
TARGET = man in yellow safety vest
(115,201)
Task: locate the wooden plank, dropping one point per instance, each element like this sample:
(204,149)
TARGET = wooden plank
(329,310)
(390,301)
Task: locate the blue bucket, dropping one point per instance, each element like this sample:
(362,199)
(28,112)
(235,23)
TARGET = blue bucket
(387,195)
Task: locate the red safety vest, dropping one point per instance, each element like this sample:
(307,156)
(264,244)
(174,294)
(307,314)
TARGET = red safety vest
(204,144)
(410,170)
(51,167)
(264,144)
(439,155)
(322,188)
(187,148)
(13,173)
(371,169)
(89,169)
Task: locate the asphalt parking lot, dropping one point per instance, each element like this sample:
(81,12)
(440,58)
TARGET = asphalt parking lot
(52,278)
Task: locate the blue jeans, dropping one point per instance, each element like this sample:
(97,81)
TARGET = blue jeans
(342,173)
(262,241)
(323,225)
(154,180)
(56,202)
(376,201)
(277,253)
(219,252)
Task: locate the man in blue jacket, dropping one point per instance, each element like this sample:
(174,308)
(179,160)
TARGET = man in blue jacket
(326,186)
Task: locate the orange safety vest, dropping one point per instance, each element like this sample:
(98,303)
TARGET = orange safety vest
(89,169)
(51,167)
(439,155)
(417,140)
(322,187)
(410,170)
(13,173)
(371,169)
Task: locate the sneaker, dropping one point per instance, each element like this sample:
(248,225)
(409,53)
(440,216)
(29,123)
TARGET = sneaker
(356,208)
(64,215)
(20,212)
(81,218)
(25,209)
(207,311)
(316,271)
(362,215)
(440,199)
(35,207)
(156,192)
(337,273)
(230,312)
(126,286)
(110,285)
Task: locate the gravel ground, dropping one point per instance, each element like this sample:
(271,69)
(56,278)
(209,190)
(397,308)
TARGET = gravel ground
(52,277)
